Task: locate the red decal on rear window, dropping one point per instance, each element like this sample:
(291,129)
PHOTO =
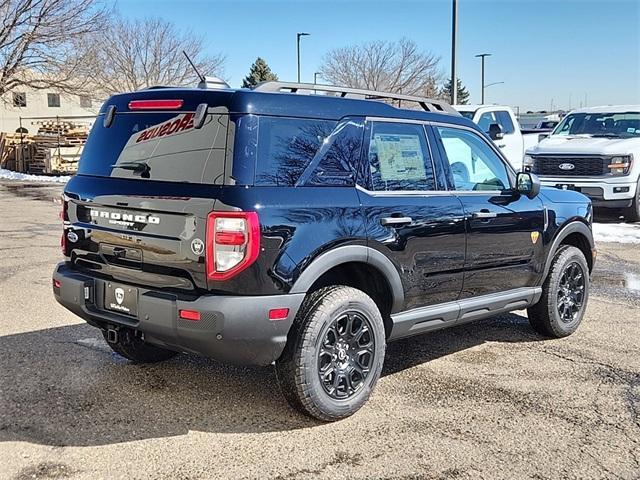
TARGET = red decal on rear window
(180,124)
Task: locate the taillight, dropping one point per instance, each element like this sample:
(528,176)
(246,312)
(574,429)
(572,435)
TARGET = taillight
(155,104)
(233,243)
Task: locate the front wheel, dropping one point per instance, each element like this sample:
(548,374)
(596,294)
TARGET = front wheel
(564,295)
(334,354)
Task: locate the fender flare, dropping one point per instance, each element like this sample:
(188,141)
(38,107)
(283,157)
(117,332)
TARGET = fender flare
(572,227)
(352,253)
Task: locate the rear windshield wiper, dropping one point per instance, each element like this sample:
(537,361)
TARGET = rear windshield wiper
(136,167)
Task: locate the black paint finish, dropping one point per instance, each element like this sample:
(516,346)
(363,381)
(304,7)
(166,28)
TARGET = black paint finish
(443,252)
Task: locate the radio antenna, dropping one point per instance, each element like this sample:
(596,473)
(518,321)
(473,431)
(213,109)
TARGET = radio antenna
(200,76)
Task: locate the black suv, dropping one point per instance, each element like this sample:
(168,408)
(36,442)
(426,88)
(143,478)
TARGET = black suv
(276,225)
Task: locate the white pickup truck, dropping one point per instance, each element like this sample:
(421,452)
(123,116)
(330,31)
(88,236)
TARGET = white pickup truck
(595,151)
(500,123)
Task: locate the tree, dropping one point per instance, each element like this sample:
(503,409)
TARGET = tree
(137,54)
(463,94)
(40,40)
(259,72)
(397,67)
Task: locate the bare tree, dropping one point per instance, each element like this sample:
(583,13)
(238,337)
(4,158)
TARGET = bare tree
(142,53)
(39,42)
(397,67)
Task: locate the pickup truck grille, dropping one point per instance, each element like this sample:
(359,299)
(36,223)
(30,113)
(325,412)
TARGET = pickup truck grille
(583,166)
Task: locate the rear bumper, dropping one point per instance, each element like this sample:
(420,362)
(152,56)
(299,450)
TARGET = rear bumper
(615,193)
(232,329)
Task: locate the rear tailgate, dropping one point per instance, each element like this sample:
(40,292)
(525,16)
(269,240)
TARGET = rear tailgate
(137,210)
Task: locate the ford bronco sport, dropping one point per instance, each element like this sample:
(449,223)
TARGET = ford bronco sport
(273,225)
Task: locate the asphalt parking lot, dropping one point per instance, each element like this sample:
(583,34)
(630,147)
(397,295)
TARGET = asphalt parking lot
(486,400)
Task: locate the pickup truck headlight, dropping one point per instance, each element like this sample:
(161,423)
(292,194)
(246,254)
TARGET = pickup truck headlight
(620,165)
(527,163)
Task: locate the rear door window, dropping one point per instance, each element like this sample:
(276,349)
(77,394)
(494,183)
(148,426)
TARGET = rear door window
(399,157)
(162,146)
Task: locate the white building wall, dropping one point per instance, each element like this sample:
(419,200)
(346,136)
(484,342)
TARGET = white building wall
(37,106)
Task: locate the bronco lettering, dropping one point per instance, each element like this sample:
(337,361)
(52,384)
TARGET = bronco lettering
(172,126)
(122,218)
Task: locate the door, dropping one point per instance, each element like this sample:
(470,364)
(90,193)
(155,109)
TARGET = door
(511,143)
(504,228)
(408,218)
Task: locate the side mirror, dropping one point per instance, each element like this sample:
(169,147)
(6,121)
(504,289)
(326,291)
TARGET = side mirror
(495,132)
(527,184)
(542,136)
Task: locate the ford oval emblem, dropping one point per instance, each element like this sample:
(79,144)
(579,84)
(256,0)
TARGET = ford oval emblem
(566,166)
(72,237)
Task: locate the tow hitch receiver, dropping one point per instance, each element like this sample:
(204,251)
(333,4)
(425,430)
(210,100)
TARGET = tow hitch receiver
(112,335)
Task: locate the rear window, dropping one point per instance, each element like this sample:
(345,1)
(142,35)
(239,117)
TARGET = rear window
(162,146)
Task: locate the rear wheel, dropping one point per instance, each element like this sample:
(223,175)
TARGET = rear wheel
(632,213)
(132,347)
(334,354)
(564,295)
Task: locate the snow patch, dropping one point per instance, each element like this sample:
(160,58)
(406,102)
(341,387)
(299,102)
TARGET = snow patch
(616,232)
(25,177)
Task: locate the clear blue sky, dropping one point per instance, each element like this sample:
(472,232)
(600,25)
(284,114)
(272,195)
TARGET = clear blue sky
(542,50)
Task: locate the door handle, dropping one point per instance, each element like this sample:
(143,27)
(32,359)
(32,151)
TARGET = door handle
(484,214)
(502,145)
(393,221)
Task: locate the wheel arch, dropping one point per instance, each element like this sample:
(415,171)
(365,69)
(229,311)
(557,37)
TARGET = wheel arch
(372,272)
(576,234)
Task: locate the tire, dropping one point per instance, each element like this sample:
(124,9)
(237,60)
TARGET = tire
(333,324)
(632,213)
(133,348)
(561,307)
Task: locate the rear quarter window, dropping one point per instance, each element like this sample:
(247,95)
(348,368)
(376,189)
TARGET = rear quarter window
(286,147)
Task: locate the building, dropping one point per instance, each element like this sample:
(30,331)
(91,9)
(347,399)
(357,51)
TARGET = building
(35,106)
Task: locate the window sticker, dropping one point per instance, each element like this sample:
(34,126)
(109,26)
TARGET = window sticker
(631,130)
(400,157)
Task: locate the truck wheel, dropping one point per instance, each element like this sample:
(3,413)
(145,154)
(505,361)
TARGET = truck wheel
(632,213)
(133,348)
(564,295)
(334,354)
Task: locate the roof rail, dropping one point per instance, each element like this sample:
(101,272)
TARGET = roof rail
(428,104)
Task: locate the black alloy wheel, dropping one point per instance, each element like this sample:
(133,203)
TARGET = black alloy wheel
(346,354)
(571,292)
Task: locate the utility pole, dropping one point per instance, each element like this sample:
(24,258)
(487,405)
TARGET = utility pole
(482,57)
(315,78)
(454,35)
(298,35)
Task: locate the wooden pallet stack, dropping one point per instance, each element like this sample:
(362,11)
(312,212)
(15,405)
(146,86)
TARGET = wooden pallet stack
(55,148)
(15,151)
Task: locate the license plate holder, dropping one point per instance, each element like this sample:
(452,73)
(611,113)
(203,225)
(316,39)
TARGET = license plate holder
(121,299)
(565,186)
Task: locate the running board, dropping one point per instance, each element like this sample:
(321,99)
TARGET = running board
(426,319)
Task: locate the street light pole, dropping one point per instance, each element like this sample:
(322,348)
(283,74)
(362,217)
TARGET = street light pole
(482,57)
(489,85)
(298,35)
(454,35)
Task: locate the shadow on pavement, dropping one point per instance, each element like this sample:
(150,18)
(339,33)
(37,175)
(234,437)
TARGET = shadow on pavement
(64,386)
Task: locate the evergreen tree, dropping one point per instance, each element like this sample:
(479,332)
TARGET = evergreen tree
(463,94)
(259,72)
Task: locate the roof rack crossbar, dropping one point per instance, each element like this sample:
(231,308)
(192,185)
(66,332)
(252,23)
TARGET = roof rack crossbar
(428,104)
